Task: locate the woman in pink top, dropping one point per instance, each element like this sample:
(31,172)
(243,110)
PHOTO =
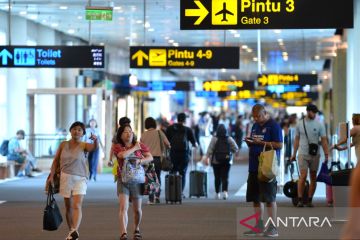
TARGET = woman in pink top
(126,146)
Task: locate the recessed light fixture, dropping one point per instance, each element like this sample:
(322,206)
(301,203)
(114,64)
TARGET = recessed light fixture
(316,57)
(139,21)
(80,17)
(244,46)
(237,35)
(63,7)
(171,41)
(223,70)
(33,17)
(176,44)
(151,29)
(22,12)
(117,8)
(71,31)
(54,25)
(255,59)
(313,72)
(147,25)
(277,31)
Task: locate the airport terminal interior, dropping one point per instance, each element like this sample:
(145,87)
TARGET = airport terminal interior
(203,63)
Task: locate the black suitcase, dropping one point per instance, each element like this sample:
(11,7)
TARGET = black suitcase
(198,184)
(173,188)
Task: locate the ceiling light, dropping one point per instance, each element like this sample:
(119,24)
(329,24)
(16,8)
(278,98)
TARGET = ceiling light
(223,70)
(316,57)
(280,40)
(176,44)
(80,17)
(134,35)
(54,25)
(244,46)
(151,29)
(22,12)
(101,44)
(33,17)
(233,31)
(171,41)
(249,50)
(277,31)
(133,8)
(255,59)
(63,7)
(139,21)
(237,35)
(71,31)
(117,8)
(147,25)
(313,72)
(166,38)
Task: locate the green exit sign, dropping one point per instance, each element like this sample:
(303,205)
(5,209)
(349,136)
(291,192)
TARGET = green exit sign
(99,13)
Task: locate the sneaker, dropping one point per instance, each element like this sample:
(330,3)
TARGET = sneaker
(124,236)
(271,231)
(36,170)
(73,235)
(225,195)
(251,233)
(310,204)
(157,200)
(217,196)
(300,204)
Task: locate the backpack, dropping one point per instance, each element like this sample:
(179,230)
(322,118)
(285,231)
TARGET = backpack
(222,153)
(4,148)
(179,141)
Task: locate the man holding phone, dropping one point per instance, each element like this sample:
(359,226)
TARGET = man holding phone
(265,131)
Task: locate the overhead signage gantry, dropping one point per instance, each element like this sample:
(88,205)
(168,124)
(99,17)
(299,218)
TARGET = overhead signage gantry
(286,79)
(185,57)
(265,14)
(52,56)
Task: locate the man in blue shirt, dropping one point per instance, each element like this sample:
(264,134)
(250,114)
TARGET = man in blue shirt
(265,131)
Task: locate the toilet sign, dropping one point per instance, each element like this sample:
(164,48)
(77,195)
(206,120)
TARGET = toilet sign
(52,56)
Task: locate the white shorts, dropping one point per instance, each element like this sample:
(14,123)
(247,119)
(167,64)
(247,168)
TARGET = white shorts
(72,185)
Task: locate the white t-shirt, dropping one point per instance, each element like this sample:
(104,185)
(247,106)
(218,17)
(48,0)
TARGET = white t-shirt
(315,130)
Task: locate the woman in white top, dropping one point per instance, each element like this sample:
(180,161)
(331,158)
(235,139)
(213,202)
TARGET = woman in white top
(154,139)
(351,229)
(71,157)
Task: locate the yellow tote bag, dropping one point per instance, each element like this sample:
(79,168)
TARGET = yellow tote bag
(268,167)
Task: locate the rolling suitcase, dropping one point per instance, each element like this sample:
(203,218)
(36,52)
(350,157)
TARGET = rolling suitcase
(173,188)
(198,181)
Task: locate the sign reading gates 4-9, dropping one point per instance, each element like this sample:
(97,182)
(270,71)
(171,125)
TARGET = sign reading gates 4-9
(266,14)
(184,57)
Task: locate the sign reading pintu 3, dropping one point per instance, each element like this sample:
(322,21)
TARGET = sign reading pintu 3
(52,56)
(184,57)
(266,14)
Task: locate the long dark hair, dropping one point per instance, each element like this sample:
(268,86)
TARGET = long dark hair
(221,131)
(120,131)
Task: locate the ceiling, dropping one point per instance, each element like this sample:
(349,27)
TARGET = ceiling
(282,51)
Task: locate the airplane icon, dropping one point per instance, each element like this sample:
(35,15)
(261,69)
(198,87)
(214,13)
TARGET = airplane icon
(224,11)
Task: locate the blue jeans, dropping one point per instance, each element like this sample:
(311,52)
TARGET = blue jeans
(181,162)
(93,163)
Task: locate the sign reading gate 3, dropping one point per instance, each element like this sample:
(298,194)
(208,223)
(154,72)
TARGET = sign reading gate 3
(184,57)
(266,14)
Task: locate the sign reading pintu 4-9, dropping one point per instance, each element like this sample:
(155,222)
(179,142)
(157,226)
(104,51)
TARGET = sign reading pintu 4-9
(184,57)
(266,14)
(52,56)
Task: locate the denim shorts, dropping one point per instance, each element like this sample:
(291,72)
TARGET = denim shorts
(132,190)
(258,191)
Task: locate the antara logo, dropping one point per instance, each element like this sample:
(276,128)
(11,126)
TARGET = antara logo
(295,222)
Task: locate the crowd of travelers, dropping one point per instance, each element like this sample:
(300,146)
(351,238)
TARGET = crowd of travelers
(216,138)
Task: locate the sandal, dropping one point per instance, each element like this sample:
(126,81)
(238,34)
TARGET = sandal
(124,236)
(137,235)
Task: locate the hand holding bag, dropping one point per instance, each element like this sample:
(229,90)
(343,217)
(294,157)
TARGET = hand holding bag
(268,167)
(324,174)
(52,216)
(132,172)
(166,164)
(56,186)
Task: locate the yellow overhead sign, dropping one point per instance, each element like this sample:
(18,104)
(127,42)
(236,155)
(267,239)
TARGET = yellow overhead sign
(184,57)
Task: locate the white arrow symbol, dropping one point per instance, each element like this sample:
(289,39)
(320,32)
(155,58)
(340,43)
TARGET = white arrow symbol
(5,54)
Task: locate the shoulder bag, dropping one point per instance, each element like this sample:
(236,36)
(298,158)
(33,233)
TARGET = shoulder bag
(132,172)
(166,164)
(52,216)
(313,147)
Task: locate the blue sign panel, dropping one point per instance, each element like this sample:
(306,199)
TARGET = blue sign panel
(52,56)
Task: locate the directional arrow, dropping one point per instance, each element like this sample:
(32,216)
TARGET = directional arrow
(201,12)
(5,54)
(256,216)
(140,55)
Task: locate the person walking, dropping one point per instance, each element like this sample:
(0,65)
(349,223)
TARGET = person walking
(308,133)
(264,132)
(93,157)
(220,155)
(71,159)
(180,136)
(154,139)
(126,146)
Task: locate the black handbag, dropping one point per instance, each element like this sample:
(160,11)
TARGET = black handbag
(166,164)
(313,147)
(52,216)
